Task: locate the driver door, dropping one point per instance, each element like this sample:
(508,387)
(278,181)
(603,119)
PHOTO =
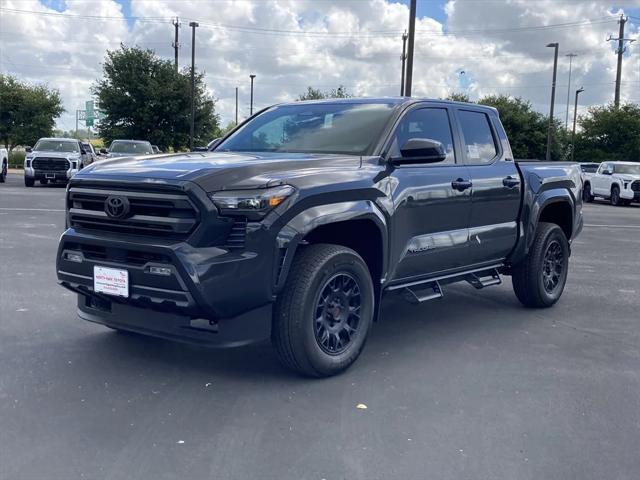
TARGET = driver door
(599,180)
(430,222)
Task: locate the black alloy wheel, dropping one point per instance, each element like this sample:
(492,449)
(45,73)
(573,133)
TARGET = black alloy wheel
(337,313)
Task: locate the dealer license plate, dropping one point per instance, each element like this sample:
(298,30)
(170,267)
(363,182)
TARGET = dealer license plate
(111,281)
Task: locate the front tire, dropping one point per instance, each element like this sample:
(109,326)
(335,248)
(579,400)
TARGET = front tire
(324,313)
(615,196)
(586,193)
(539,280)
(29,182)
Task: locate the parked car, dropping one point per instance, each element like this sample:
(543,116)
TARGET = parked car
(54,160)
(92,156)
(618,182)
(127,148)
(299,221)
(4,164)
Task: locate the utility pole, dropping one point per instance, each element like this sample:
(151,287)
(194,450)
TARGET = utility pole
(404,59)
(252,76)
(566,117)
(575,116)
(236,105)
(175,44)
(412,35)
(620,50)
(193,26)
(553,97)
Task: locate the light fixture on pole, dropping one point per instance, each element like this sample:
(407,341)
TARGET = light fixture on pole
(575,116)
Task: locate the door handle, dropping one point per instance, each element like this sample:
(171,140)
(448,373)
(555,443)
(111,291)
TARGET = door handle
(510,182)
(461,184)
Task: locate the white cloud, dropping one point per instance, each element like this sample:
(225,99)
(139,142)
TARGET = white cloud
(500,45)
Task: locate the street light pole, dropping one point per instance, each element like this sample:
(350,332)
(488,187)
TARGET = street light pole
(575,116)
(252,76)
(404,59)
(553,97)
(566,116)
(412,34)
(193,26)
(236,105)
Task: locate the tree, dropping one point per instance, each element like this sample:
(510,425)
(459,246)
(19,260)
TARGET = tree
(27,112)
(317,94)
(144,97)
(527,129)
(458,97)
(609,133)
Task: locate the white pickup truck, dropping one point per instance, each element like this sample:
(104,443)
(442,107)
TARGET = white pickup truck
(618,182)
(4,164)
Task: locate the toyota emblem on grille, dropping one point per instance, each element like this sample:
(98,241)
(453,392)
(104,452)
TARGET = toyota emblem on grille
(116,206)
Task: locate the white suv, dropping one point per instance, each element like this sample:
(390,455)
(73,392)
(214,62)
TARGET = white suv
(618,182)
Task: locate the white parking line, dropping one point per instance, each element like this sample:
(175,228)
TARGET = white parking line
(613,226)
(30,209)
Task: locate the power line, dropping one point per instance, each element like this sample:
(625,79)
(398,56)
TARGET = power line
(312,33)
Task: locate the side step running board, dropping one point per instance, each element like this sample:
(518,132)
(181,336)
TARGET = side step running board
(429,291)
(484,279)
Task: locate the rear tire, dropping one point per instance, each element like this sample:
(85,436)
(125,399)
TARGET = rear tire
(324,313)
(539,280)
(586,193)
(28,182)
(615,196)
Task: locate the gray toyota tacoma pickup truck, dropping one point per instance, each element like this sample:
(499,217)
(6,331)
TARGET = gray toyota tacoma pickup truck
(305,215)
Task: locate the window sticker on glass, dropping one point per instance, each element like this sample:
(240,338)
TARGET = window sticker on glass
(473,151)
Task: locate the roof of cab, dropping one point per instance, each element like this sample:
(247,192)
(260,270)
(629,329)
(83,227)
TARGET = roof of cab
(389,100)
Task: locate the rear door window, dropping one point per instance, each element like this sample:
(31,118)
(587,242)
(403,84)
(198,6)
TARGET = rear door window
(480,144)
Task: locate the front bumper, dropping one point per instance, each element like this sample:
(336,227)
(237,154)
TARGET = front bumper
(213,295)
(57,175)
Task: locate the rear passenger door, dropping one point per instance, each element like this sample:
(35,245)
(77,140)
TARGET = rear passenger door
(496,191)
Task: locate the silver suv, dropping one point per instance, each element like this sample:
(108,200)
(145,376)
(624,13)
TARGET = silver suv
(54,160)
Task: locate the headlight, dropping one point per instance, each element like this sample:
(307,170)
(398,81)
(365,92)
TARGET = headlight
(256,202)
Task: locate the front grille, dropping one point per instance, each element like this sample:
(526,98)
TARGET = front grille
(237,235)
(156,214)
(635,186)
(47,164)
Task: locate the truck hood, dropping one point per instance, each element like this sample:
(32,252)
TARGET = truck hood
(45,153)
(627,177)
(221,170)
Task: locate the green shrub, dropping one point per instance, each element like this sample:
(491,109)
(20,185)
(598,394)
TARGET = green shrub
(16,159)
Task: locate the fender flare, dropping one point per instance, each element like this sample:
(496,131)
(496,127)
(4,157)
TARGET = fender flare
(531,217)
(294,231)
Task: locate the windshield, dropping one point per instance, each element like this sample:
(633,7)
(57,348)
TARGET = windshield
(628,169)
(136,148)
(347,128)
(56,146)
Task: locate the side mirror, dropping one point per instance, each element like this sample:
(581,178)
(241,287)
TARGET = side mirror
(28,149)
(104,151)
(421,150)
(606,172)
(83,151)
(213,144)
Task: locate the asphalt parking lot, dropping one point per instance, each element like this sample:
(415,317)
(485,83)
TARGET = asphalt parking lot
(472,386)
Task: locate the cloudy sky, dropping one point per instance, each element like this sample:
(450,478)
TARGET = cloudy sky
(473,46)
